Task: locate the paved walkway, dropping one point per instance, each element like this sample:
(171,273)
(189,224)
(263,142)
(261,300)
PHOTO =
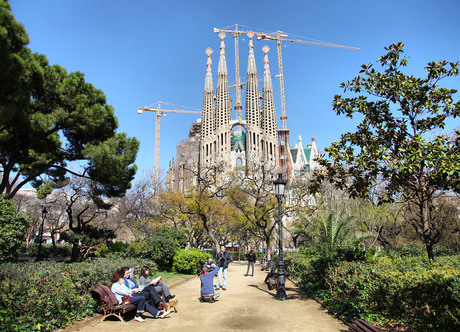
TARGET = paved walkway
(246,305)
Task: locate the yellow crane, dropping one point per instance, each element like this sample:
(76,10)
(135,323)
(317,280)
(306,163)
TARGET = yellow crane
(279,37)
(159,112)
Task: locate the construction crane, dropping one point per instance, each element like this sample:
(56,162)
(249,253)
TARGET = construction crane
(284,146)
(158,114)
(279,37)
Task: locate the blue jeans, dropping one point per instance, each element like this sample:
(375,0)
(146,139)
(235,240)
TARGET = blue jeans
(142,305)
(221,272)
(250,264)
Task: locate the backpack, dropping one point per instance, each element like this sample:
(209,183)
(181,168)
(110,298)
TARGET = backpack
(105,295)
(272,283)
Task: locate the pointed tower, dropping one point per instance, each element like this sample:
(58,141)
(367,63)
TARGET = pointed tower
(269,126)
(253,111)
(208,115)
(314,165)
(223,109)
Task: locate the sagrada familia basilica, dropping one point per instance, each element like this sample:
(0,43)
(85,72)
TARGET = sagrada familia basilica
(217,140)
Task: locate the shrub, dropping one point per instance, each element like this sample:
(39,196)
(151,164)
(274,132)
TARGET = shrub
(60,251)
(162,246)
(12,227)
(407,291)
(298,266)
(46,296)
(187,260)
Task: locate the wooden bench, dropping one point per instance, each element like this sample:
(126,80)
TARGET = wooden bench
(110,306)
(362,326)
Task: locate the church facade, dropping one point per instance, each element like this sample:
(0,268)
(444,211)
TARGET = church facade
(217,140)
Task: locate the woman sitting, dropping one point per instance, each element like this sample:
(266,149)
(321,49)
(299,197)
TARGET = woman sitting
(160,285)
(120,290)
(148,292)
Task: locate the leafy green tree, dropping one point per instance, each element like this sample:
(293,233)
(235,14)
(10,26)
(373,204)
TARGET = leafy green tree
(161,247)
(12,227)
(206,203)
(252,194)
(50,118)
(394,146)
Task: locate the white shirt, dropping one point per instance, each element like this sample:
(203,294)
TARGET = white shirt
(120,290)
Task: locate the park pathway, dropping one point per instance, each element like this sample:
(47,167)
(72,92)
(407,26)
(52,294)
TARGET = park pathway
(246,305)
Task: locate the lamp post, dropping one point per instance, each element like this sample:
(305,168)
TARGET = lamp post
(39,251)
(279,193)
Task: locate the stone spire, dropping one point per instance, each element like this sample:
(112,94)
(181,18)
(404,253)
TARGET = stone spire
(252,89)
(222,147)
(269,113)
(208,111)
(223,107)
(269,126)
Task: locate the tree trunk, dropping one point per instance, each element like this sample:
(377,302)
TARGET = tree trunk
(429,251)
(53,240)
(427,230)
(75,252)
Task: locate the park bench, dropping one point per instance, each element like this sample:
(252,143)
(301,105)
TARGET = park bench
(110,306)
(362,326)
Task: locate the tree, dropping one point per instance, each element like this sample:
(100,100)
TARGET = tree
(394,146)
(253,196)
(161,247)
(12,227)
(50,118)
(207,203)
(136,209)
(83,215)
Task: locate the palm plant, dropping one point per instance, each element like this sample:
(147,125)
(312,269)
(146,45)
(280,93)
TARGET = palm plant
(332,231)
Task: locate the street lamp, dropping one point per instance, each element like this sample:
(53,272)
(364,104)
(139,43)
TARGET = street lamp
(279,193)
(39,251)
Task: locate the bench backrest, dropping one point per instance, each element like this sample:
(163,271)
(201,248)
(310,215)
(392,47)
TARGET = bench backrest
(105,295)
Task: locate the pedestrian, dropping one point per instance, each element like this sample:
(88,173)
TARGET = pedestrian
(223,258)
(251,257)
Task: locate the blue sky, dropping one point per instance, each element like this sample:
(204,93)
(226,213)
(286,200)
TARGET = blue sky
(140,52)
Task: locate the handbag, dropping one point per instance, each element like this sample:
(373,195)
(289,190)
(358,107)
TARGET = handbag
(126,299)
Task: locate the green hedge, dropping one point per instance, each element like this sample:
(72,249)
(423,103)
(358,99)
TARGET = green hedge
(47,296)
(410,292)
(187,260)
(47,251)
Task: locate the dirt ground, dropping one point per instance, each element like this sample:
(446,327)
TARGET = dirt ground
(246,305)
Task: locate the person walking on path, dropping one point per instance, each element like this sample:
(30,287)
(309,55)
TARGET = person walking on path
(251,257)
(223,258)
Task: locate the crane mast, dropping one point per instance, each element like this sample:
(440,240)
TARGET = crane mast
(156,162)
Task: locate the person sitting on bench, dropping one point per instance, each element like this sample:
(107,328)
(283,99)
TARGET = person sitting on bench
(160,285)
(120,290)
(149,292)
(207,275)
